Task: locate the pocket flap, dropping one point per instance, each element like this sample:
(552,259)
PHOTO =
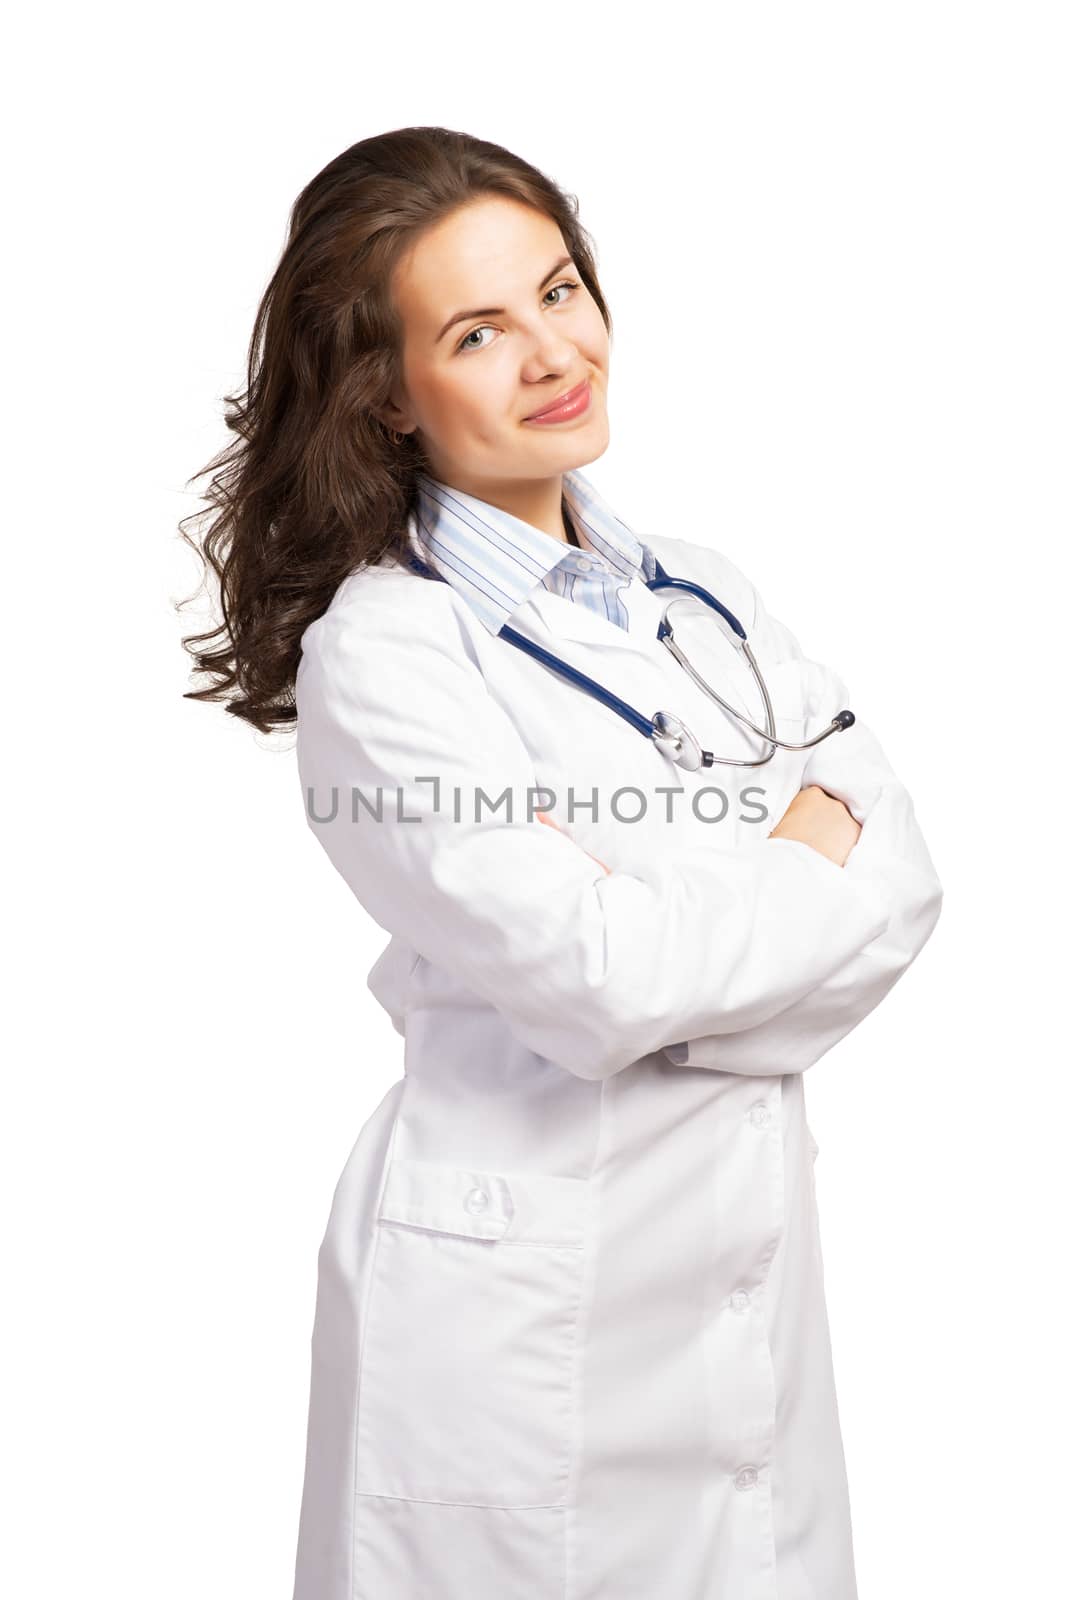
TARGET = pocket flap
(521,1207)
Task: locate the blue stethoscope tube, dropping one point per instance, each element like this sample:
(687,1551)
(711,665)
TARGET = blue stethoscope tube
(668,732)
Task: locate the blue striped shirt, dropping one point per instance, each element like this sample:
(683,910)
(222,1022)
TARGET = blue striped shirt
(496,560)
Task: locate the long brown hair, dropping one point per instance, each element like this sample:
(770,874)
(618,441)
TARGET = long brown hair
(314,486)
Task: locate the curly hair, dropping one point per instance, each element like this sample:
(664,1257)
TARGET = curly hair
(315,486)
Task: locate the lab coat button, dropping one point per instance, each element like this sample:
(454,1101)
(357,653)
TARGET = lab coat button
(476,1201)
(739,1300)
(746,1478)
(759,1114)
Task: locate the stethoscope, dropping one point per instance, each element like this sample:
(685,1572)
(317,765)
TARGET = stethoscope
(668,732)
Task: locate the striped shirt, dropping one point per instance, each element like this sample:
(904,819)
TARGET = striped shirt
(496,560)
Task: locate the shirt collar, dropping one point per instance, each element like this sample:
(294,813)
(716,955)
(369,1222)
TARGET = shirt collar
(496,560)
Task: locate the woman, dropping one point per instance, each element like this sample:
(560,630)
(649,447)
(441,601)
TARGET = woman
(570,1336)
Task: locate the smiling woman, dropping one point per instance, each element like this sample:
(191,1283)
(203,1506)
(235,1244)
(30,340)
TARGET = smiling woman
(570,1338)
(366,372)
(543,357)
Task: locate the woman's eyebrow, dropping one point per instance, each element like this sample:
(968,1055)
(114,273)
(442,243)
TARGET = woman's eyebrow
(498,311)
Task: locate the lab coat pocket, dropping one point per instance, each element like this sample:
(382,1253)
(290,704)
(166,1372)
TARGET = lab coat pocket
(469,1361)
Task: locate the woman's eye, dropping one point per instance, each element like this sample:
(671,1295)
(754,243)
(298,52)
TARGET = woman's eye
(463,345)
(558,286)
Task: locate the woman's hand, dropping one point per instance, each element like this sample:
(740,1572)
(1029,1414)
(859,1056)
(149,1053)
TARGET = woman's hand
(543,816)
(813,816)
(818,819)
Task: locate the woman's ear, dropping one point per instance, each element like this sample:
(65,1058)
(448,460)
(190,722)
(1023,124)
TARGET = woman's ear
(392,416)
(394,412)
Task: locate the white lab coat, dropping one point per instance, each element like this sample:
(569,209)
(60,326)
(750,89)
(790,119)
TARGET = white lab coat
(570,1338)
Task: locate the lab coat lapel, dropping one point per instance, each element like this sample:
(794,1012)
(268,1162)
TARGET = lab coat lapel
(565,619)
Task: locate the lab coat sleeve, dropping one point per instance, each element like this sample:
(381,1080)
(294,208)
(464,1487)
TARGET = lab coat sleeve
(891,857)
(591,970)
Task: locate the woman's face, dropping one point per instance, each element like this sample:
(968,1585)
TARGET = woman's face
(470,377)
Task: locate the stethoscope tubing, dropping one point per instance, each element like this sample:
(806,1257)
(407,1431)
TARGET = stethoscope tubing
(666,731)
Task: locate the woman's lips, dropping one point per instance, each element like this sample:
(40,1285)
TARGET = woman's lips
(571,404)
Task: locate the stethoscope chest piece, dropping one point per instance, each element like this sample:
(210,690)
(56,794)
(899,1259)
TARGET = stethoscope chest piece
(673,738)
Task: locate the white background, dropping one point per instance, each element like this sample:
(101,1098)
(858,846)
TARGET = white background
(833,241)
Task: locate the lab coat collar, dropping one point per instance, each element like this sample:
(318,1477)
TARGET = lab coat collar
(567,620)
(497,562)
